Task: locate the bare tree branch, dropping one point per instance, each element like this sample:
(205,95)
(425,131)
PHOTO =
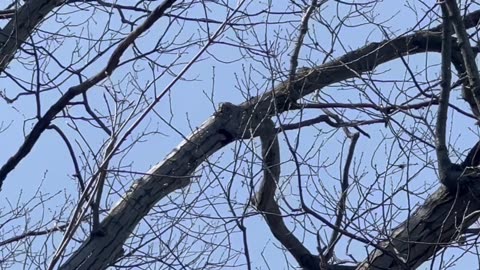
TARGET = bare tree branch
(33,233)
(341,207)
(301,35)
(265,197)
(444,162)
(48,117)
(98,187)
(21,26)
(466,50)
(78,175)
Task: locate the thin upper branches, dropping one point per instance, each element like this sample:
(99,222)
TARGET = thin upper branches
(298,44)
(48,117)
(465,48)
(341,207)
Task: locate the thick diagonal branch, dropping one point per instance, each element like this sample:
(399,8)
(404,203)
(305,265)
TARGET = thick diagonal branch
(431,227)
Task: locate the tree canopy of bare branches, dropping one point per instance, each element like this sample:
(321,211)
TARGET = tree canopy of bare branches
(312,134)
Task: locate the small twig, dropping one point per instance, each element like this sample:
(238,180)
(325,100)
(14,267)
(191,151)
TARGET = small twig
(330,122)
(385,109)
(341,207)
(299,43)
(94,116)
(78,174)
(33,233)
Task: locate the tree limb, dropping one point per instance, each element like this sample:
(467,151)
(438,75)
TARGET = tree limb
(443,159)
(229,124)
(341,207)
(466,50)
(301,35)
(265,198)
(21,26)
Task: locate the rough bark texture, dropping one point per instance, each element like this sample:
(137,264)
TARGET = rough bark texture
(434,225)
(21,27)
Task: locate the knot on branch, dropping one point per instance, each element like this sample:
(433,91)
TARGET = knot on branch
(239,122)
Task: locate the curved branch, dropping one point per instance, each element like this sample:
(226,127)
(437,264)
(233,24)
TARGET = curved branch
(443,159)
(77,174)
(94,116)
(265,202)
